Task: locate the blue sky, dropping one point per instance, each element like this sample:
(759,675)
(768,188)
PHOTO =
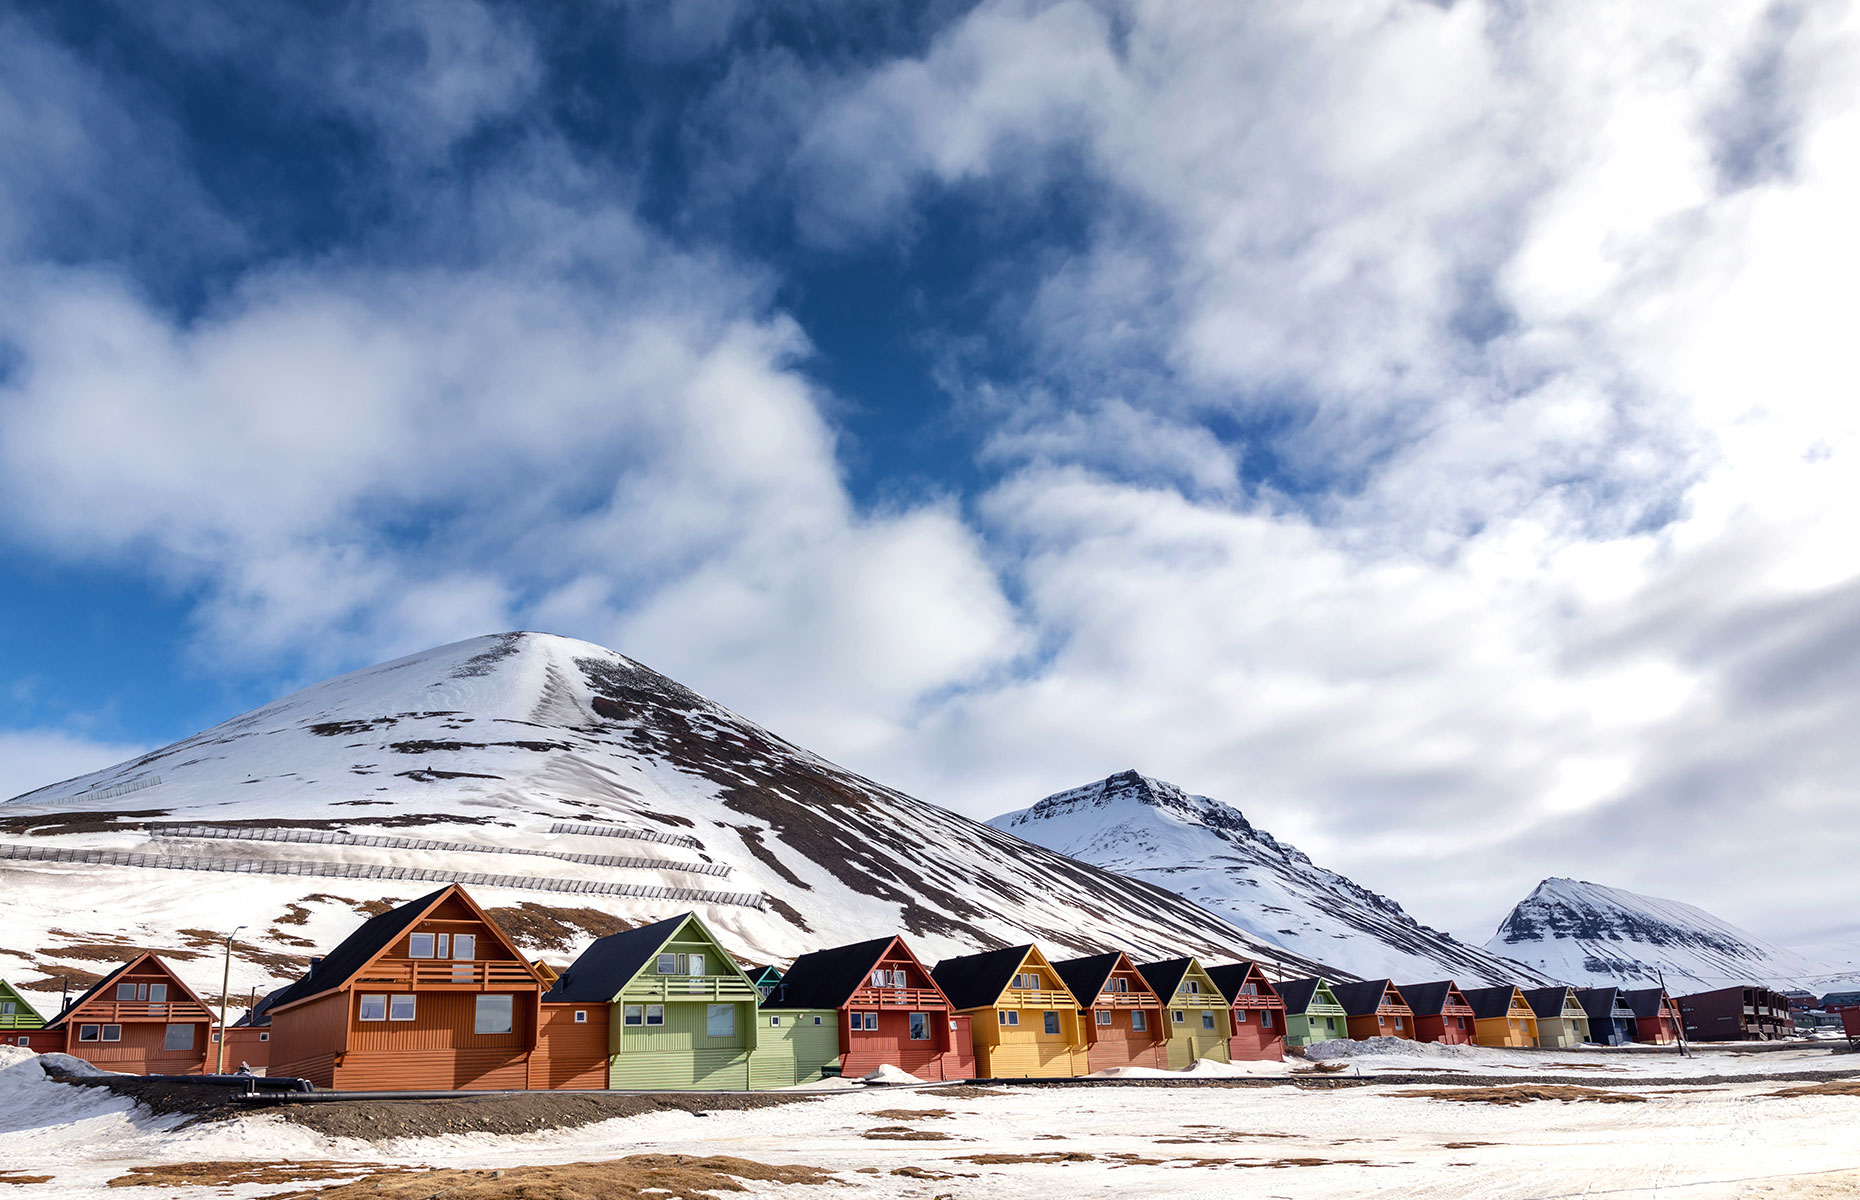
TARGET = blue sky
(1423,426)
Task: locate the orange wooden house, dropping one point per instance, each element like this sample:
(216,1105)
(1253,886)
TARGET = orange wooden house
(1441,1013)
(428,996)
(140,1019)
(1502,1017)
(1124,1024)
(891,1012)
(1375,1008)
(1258,1012)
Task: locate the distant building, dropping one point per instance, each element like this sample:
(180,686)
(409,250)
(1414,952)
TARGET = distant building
(1735,1014)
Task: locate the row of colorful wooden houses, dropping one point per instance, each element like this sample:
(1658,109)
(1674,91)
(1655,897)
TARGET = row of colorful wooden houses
(433,995)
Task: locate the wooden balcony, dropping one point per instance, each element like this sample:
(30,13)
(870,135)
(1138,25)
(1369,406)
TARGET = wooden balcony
(1244,1001)
(19,1021)
(1126,1000)
(117,1012)
(444,974)
(917,999)
(1037,998)
(691,987)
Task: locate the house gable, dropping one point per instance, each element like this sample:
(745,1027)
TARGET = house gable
(101,1002)
(16,1012)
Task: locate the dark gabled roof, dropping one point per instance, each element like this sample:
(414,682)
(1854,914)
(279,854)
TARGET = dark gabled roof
(609,963)
(977,980)
(94,988)
(1086,977)
(1361,999)
(1297,993)
(1164,977)
(1489,1002)
(1547,1001)
(1598,1002)
(376,934)
(828,978)
(259,1015)
(1645,1001)
(1426,999)
(1230,977)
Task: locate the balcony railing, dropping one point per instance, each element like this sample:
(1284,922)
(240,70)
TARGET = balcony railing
(113,1012)
(1037,998)
(19,1021)
(691,987)
(1258,1002)
(1126,1000)
(890,997)
(443,973)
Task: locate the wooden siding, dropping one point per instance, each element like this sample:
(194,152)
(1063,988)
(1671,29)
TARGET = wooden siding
(793,1046)
(1120,1044)
(1024,1050)
(946,1055)
(1206,1029)
(249,1047)
(140,1051)
(571,1055)
(306,1038)
(1449,1028)
(142,1024)
(1259,1035)
(16,1012)
(681,1054)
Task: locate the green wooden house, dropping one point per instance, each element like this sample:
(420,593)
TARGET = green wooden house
(684,1016)
(16,1012)
(1312,1013)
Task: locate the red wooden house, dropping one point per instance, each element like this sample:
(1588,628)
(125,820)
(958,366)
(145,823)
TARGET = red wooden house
(891,1012)
(428,996)
(1656,1017)
(140,1019)
(1375,1008)
(248,1040)
(1441,1013)
(1259,1013)
(1124,1023)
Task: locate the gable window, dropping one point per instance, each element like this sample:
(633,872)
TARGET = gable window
(1104,1016)
(581,1016)
(178,1037)
(655,1014)
(1119,985)
(1249,989)
(1178,1016)
(374,1008)
(668,964)
(1207,1020)
(1265,1018)
(1192,987)
(694,964)
(6,1008)
(1139,1020)
(494,1014)
(879,978)
(158,993)
(126,992)
(420,945)
(632,1015)
(400,1008)
(720,1020)
(464,946)
(1008,1016)
(920,1027)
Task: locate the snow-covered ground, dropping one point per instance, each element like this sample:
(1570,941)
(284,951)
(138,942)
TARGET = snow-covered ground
(1730,1140)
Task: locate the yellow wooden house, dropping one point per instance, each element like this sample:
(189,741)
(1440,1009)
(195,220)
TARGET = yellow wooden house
(1024,1021)
(1195,1012)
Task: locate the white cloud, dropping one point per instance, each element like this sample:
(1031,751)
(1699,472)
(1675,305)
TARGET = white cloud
(32,758)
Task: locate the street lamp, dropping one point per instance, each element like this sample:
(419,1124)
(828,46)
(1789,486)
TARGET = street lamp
(225,985)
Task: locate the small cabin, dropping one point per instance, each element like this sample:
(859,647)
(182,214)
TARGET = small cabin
(429,996)
(1312,1013)
(1441,1013)
(1562,1022)
(17,1015)
(681,1014)
(1656,1017)
(1124,1023)
(1256,1009)
(1502,1017)
(1024,1021)
(887,1010)
(1611,1017)
(140,1019)
(1375,1008)
(1200,1021)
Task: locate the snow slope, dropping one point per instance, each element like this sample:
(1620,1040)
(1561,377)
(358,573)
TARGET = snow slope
(1586,933)
(460,761)
(1207,852)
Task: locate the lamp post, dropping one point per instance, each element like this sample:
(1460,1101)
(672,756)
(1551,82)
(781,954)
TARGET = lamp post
(225,983)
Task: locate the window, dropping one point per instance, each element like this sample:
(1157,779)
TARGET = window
(1240,1016)
(774,1022)
(1249,989)
(1104,1016)
(878,978)
(1265,1019)
(1207,1020)
(1398,1023)
(581,1016)
(694,964)
(400,1008)
(1008,1016)
(920,1027)
(374,1008)
(1140,1021)
(440,945)
(158,993)
(112,1033)
(125,992)
(720,1020)
(264,1037)
(1330,1023)
(178,1037)
(24,1040)
(655,1014)
(1178,1016)
(1192,987)
(420,945)
(1030,980)
(494,1014)
(816,1020)
(87,1033)
(1052,1023)
(6,1008)
(632,1015)
(871,1020)
(668,964)
(1381,1021)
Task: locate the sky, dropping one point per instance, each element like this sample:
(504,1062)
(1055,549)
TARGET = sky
(1429,427)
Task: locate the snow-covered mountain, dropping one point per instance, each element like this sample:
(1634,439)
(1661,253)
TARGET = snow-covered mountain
(571,788)
(1208,852)
(1586,933)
